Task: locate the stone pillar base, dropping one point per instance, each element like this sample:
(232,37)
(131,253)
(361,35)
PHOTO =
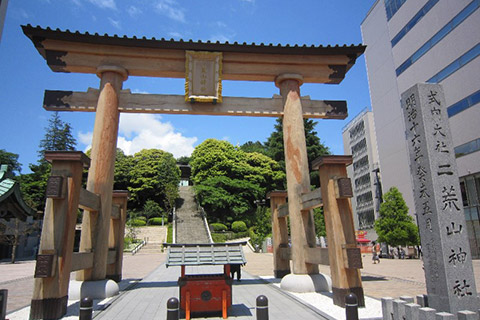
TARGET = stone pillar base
(52,308)
(339,295)
(93,289)
(306,283)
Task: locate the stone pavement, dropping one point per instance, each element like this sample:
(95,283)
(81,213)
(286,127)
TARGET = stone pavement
(392,278)
(147,299)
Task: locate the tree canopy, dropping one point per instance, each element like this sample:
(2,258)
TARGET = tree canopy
(315,148)
(153,172)
(229,180)
(58,136)
(10,159)
(395,226)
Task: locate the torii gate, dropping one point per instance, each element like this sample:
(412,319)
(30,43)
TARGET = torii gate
(115,58)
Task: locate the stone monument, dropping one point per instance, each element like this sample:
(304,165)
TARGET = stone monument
(438,201)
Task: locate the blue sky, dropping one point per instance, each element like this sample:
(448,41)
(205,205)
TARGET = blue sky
(24,74)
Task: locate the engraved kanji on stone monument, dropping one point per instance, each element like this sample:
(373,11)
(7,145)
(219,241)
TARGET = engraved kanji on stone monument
(447,259)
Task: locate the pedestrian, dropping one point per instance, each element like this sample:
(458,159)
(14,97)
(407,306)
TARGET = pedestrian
(375,257)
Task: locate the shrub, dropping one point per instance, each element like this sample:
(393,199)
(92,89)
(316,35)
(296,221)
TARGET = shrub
(239,226)
(218,227)
(141,218)
(170,233)
(218,237)
(157,221)
(137,222)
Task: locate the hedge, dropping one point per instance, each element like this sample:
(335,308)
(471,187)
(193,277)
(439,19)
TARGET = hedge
(137,222)
(157,221)
(239,226)
(218,227)
(170,233)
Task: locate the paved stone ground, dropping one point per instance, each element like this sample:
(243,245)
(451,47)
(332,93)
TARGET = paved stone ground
(392,278)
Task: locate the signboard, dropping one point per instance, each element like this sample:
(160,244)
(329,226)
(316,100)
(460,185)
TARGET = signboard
(203,76)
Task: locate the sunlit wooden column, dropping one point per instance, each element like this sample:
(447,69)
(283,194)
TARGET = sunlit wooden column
(95,226)
(281,259)
(302,227)
(344,256)
(54,260)
(117,233)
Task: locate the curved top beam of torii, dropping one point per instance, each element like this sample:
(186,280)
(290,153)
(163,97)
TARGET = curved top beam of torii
(66,51)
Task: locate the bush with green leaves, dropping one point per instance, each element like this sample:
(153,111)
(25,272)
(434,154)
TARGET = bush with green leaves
(157,221)
(137,222)
(218,227)
(239,226)
(219,237)
(170,233)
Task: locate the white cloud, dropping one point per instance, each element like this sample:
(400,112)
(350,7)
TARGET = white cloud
(105,4)
(220,38)
(86,139)
(146,131)
(171,9)
(115,23)
(134,11)
(139,91)
(175,34)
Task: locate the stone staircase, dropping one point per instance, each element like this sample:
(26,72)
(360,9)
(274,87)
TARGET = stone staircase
(156,236)
(190,226)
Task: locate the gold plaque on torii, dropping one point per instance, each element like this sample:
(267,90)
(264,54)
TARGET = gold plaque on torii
(203,76)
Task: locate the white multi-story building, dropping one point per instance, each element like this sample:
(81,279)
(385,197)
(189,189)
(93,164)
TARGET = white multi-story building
(360,142)
(433,41)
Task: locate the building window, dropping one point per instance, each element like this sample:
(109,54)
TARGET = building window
(464,104)
(357,130)
(360,164)
(366,219)
(363,180)
(455,65)
(360,147)
(416,18)
(467,148)
(392,6)
(452,24)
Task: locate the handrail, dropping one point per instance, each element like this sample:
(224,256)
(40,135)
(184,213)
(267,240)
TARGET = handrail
(205,222)
(174,226)
(138,247)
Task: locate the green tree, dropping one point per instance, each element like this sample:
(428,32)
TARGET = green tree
(151,174)
(33,185)
(151,209)
(395,226)
(10,159)
(251,146)
(184,160)
(315,148)
(228,180)
(123,167)
(58,136)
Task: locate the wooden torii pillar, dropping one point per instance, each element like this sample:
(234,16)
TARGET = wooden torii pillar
(302,225)
(344,256)
(281,260)
(96,225)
